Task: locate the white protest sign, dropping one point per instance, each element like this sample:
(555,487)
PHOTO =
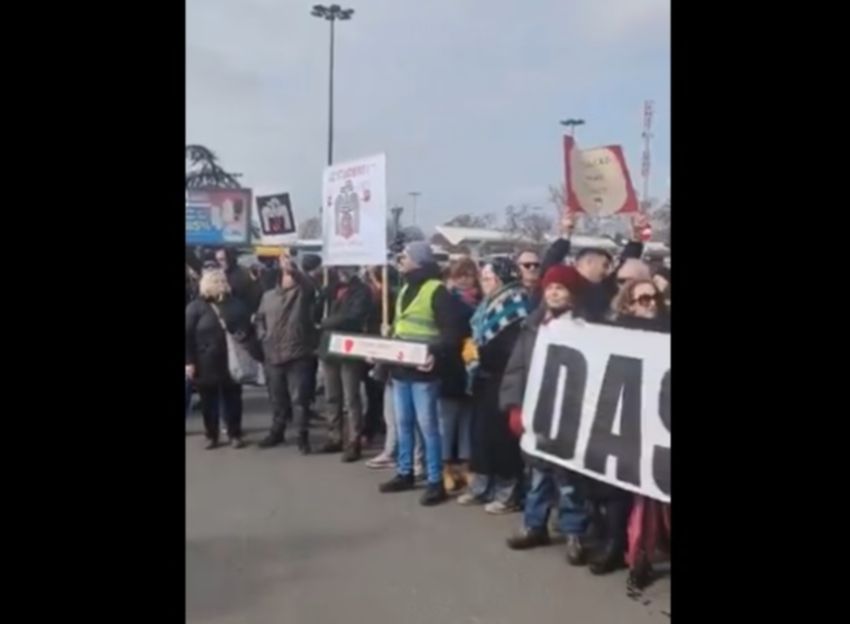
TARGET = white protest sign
(379,349)
(354,224)
(597,402)
(598,181)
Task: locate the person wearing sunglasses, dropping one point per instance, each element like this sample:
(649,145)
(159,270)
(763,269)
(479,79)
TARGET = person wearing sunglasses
(529,265)
(638,305)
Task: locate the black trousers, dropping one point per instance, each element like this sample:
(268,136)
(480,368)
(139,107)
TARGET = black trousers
(289,390)
(215,399)
(374,418)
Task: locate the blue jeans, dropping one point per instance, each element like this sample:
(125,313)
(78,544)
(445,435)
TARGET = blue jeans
(455,424)
(487,488)
(416,402)
(544,492)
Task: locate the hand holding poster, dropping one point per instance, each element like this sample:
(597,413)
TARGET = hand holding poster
(217,216)
(605,410)
(598,181)
(354,227)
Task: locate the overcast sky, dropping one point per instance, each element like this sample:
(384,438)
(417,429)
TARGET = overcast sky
(464,96)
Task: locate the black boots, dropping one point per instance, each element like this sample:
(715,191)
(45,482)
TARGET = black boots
(275,438)
(435,493)
(351,454)
(304,443)
(529,538)
(608,558)
(398,483)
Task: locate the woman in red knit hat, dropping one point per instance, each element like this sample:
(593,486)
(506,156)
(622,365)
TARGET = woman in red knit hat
(550,484)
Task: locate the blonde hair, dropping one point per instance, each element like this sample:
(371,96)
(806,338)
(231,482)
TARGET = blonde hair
(213,284)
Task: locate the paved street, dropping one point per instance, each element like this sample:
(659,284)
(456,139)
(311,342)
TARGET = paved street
(276,538)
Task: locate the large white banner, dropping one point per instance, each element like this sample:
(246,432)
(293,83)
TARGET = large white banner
(598,402)
(354,228)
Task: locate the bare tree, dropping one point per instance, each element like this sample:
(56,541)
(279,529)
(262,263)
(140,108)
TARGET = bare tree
(486,221)
(527,221)
(587,224)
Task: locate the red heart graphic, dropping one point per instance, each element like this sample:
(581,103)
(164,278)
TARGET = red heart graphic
(347,345)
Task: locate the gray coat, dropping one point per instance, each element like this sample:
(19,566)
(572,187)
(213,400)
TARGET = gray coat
(515,377)
(285,321)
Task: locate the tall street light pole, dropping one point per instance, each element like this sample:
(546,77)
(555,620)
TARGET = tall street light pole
(414,195)
(331,13)
(571,124)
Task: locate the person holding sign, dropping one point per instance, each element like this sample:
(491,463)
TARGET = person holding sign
(350,304)
(425,312)
(550,485)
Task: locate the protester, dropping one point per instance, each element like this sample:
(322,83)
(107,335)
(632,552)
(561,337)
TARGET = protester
(375,384)
(311,265)
(550,484)
(350,303)
(661,279)
(192,279)
(207,319)
(285,327)
(496,465)
(242,285)
(634,523)
(455,406)
(379,377)
(529,265)
(425,312)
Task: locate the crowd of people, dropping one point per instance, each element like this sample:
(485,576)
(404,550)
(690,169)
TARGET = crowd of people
(454,422)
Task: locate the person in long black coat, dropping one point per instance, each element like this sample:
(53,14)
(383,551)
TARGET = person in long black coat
(206,354)
(496,465)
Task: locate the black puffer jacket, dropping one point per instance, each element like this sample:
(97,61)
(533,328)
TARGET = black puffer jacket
(206,344)
(285,321)
(244,287)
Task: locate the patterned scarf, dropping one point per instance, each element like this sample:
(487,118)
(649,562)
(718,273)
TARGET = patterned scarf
(508,305)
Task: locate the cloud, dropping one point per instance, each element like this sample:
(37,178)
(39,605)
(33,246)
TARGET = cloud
(464,97)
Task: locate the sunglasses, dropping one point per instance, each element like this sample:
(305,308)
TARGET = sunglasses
(646,300)
(530,265)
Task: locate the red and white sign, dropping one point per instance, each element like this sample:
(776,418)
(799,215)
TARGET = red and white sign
(598,181)
(379,349)
(354,223)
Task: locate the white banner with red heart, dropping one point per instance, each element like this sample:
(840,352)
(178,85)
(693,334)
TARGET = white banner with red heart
(379,349)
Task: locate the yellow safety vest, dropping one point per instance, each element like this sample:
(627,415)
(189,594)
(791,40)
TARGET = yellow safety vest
(416,322)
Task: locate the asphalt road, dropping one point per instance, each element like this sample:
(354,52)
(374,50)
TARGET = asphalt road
(276,538)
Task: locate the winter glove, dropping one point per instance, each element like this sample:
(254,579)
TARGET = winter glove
(470,351)
(515,421)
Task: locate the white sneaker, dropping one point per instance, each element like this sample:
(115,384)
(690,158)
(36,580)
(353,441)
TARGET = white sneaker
(498,508)
(468,498)
(380,462)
